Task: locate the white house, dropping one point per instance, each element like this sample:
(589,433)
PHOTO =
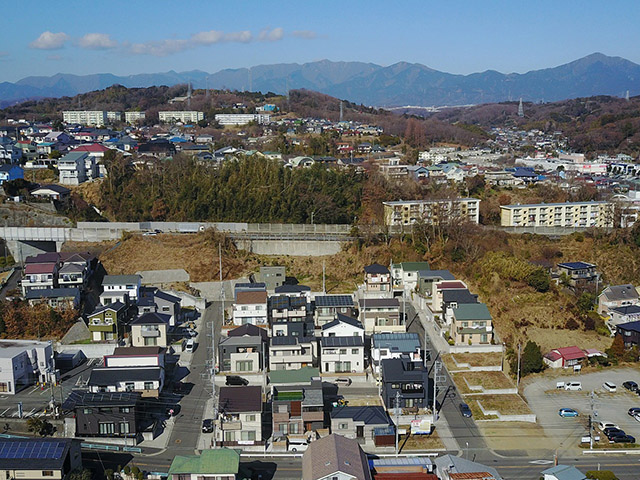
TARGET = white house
(343,326)
(240,420)
(405,274)
(342,354)
(292,353)
(124,288)
(23,362)
(251,307)
(394,345)
(73,169)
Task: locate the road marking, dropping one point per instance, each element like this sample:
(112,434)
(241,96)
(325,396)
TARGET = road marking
(541,462)
(5,411)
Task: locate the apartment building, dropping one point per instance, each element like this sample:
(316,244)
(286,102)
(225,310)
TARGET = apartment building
(85,117)
(184,116)
(133,117)
(408,212)
(569,214)
(242,118)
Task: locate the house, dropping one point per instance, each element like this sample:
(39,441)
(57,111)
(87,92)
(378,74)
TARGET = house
(619,315)
(380,315)
(292,352)
(439,289)
(23,363)
(37,458)
(564,357)
(251,307)
(294,291)
(617,296)
(283,308)
(72,168)
(105,320)
(335,457)
(55,297)
(41,272)
(406,378)
(123,288)
(450,467)
(243,353)
(359,423)
(212,464)
(472,324)
(149,330)
(10,172)
(160,148)
(405,274)
(452,298)
(155,300)
(630,333)
(147,380)
(52,192)
(106,414)
(272,277)
(76,269)
(136,357)
(297,407)
(240,416)
(563,472)
(377,279)
(578,274)
(329,306)
(394,345)
(248,287)
(342,354)
(428,278)
(343,326)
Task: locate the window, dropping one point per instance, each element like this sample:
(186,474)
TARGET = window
(282,428)
(148,385)
(124,428)
(47,473)
(251,418)
(165,309)
(248,435)
(343,426)
(107,428)
(105,410)
(87,411)
(343,351)
(354,351)
(244,366)
(125,409)
(294,428)
(229,436)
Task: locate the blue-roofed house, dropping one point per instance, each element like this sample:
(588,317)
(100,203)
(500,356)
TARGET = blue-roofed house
(30,458)
(377,279)
(10,172)
(563,472)
(359,422)
(329,306)
(342,354)
(578,274)
(630,333)
(55,297)
(394,345)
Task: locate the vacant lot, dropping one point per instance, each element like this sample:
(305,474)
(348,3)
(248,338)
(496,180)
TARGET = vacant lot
(487,380)
(515,436)
(504,404)
(410,442)
(454,361)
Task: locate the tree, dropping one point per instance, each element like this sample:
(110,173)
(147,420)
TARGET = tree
(55,154)
(601,475)
(84,474)
(531,361)
(539,279)
(39,426)
(616,350)
(585,302)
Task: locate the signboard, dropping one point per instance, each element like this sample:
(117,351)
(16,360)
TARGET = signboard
(420,427)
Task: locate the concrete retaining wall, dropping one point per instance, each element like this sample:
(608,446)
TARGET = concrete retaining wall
(531,418)
(475,349)
(189,300)
(465,367)
(312,248)
(90,350)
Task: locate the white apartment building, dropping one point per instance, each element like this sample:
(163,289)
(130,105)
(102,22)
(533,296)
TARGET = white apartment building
(85,117)
(570,214)
(133,117)
(114,117)
(184,116)
(242,118)
(23,362)
(408,212)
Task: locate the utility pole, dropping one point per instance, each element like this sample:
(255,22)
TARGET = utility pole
(592,402)
(437,365)
(323,275)
(518,377)
(397,405)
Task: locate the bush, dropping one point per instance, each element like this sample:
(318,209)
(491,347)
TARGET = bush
(539,279)
(601,475)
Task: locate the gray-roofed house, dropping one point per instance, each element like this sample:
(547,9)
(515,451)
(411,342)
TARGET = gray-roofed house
(450,467)
(125,288)
(105,320)
(617,296)
(272,276)
(472,324)
(294,291)
(620,315)
(454,297)
(147,380)
(240,416)
(29,458)
(563,472)
(342,354)
(242,354)
(381,315)
(53,192)
(155,300)
(335,456)
(427,279)
(290,352)
(55,297)
(343,326)
(409,379)
(394,345)
(359,422)
(377,279)
(297,408)
(329,306)
(149,330)
(106,414)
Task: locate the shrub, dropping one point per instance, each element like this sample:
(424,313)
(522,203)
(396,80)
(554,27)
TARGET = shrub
(539,279)
(601,475)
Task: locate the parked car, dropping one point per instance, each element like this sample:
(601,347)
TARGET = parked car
(567,412)
(190,333)
(573,386)
(633,411)
(622,439)
(235,380)
(613,432)
(631,386)
(637,417)
(189,346)
(345,382)
(465,410)
(207,425)
(604,425)
(298,444)
(610,387)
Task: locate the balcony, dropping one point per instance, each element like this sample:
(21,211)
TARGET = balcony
(150,333)
(313,416)
(231,425)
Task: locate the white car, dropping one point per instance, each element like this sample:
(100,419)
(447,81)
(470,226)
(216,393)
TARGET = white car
(637,417)
(602,425)
(573,386)
(610,387)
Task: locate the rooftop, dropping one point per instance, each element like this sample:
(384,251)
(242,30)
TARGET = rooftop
(301,375)
(121,279)
(213,462)
(37,453)
(354,322)
(240,399)
(376,269)
(334,301)
(576,265)
(251,297)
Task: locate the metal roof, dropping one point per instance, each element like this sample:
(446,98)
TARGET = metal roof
(342,341)
(334,301)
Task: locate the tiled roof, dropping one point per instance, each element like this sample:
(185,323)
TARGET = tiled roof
(251,297)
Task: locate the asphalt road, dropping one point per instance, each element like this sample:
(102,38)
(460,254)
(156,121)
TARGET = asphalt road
(11,284)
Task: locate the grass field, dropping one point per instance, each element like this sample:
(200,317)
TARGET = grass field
(473,359)
(487,380)
(420,442)
(505,404)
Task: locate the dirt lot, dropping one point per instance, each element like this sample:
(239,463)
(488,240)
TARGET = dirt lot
(420,442)
(473,359)
(515,436)
(486,380)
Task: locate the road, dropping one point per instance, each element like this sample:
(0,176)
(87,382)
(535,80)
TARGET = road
(12,283)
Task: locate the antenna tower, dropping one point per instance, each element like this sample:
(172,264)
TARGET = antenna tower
(341,111)
(520,109)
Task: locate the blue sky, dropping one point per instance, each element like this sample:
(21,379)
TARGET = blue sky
(139,36)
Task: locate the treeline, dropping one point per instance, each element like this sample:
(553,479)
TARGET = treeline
(247,190)
(19,320)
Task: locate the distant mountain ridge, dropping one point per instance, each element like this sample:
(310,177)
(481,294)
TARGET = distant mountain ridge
(396,85)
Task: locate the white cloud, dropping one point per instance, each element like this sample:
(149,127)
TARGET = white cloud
(165,47)
(274,35)
(242,37)
(306,34)
(160,48)
(49,41)
(97,41)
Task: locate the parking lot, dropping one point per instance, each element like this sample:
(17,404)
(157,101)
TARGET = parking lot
(545,400)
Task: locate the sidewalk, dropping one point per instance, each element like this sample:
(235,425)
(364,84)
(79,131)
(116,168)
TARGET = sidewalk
(426,317)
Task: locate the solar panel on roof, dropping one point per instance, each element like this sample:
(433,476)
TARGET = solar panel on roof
(31,450)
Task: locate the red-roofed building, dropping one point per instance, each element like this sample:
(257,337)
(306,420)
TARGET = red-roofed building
(436,301)
(39,275)
(94,149)
(564,357)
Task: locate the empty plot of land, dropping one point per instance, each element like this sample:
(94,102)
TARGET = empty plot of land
(510,404)
(458,361)
(487,380)
(515,436)
(419,442)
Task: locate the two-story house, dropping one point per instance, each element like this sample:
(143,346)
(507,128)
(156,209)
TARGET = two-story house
(630,333)
(240,416)
(381,315)
(123,288)
(41,271)
(72,168)
(343,326)
(405,275)
(335,457)
(106,320)
(578,274)
(405,380)
(439,289)
(76,269)
(106,414)
(359,422)
(428,278)
(243,350)
(377,279)
(617,296)
(329,306)
(251,307)
(292,352)
(155,300)
(289,315)
(149,330)
(471,324)
(394,345)
(216,464)
(342,354)
(37,458)
(452,298)
(130,369)
(297,408)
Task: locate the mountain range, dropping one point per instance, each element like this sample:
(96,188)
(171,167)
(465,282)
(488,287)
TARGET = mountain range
(395,85)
